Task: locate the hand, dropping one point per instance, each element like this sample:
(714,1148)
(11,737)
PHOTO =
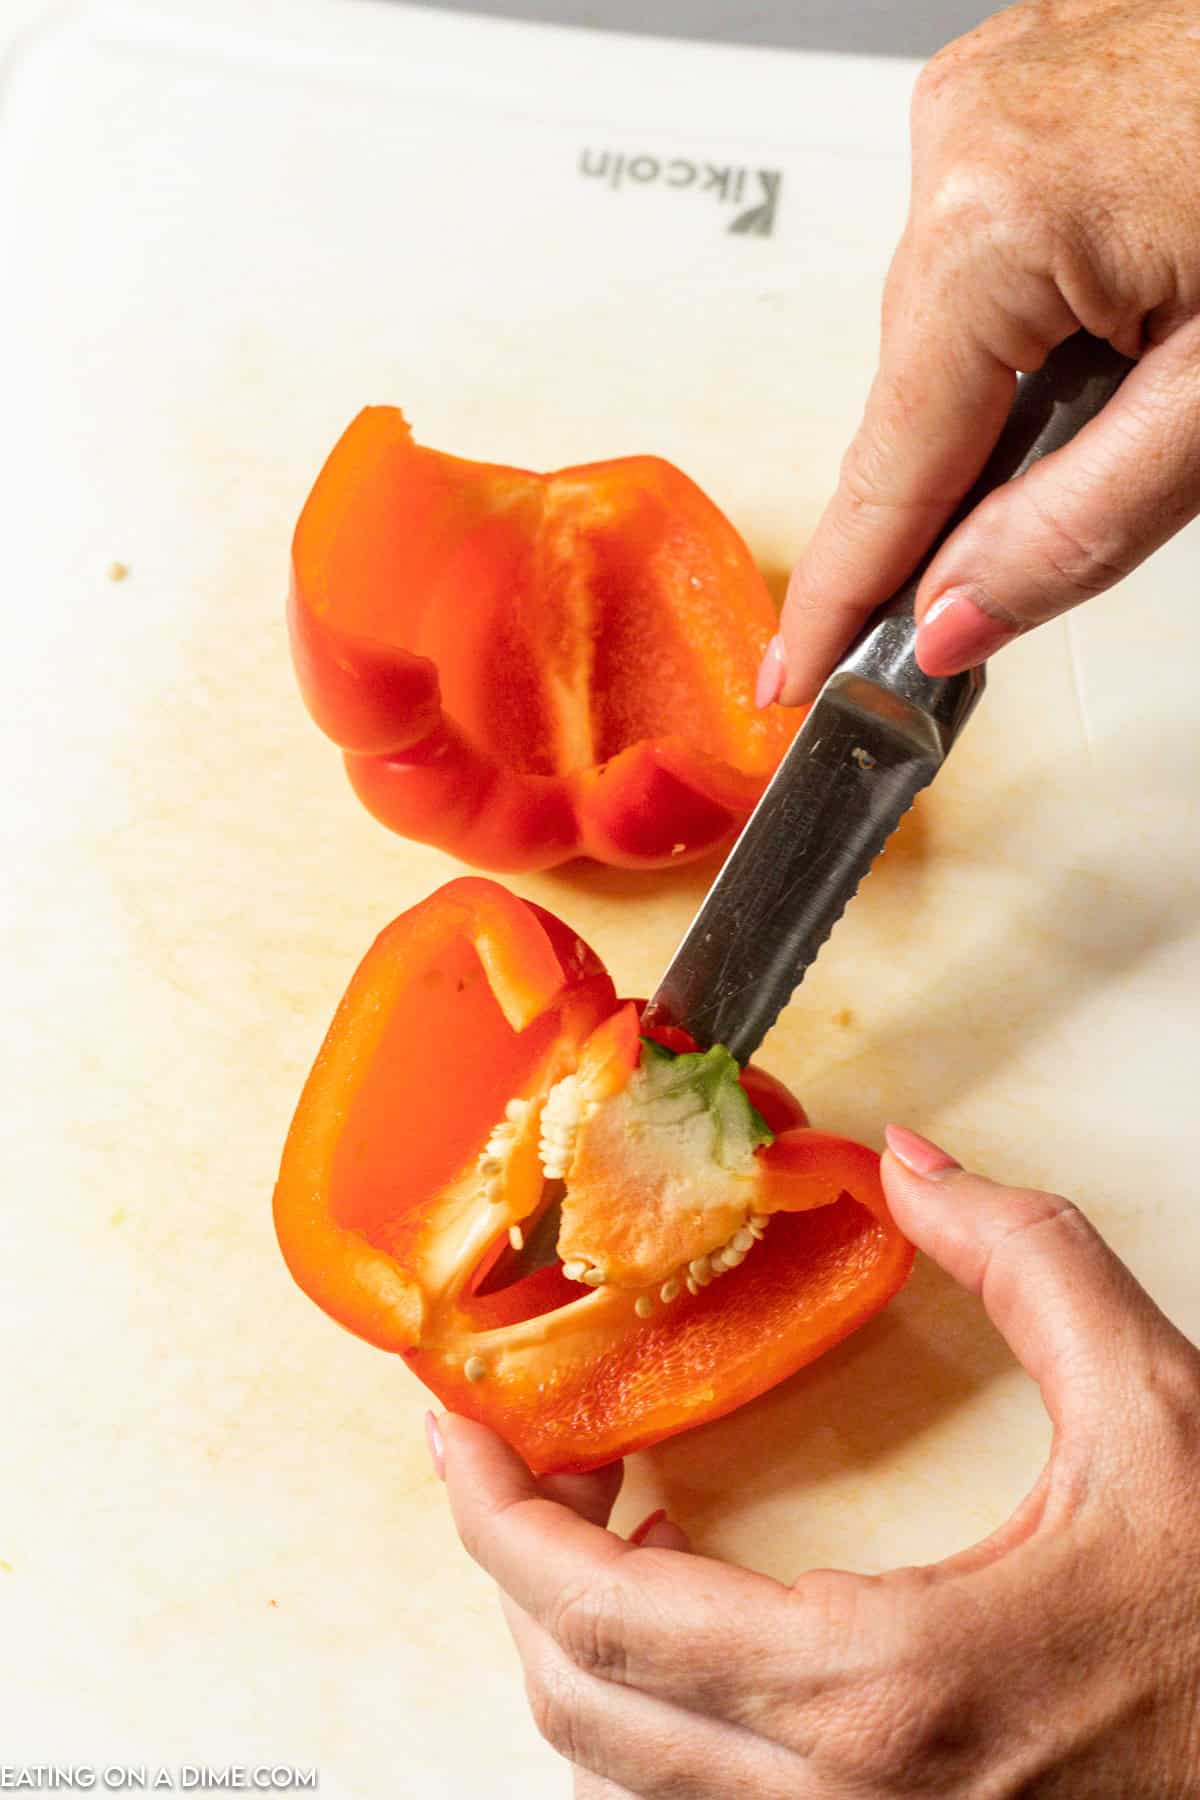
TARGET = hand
(1054,186)
(1060,1657)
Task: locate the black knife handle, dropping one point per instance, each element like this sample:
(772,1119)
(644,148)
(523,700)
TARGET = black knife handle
(1051,405)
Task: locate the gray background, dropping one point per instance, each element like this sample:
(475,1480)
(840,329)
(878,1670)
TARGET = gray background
(880,27)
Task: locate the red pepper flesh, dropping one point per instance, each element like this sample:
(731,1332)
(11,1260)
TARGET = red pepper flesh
(470,1001)
(523,668)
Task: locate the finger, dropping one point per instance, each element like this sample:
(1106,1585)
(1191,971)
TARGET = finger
(935,410)
(647,1618)
(660,1533)
(591,1496)
(595,1787)
(1076,522)
(666,1535)
(645,1745)
(1067,1307)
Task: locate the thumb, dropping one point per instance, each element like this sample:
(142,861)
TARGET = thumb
(592,1496)
(1067,1307)
(1076,522)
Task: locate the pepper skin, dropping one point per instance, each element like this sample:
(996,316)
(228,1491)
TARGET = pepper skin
(462,1017)
(526,668)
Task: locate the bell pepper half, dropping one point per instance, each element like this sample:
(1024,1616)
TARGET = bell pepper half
(525,668)
(481,1083)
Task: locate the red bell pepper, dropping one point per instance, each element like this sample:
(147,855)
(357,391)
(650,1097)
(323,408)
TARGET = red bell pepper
(479,1070)
(524,668)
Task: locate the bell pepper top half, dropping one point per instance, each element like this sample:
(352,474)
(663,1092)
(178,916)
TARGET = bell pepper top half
(525,668)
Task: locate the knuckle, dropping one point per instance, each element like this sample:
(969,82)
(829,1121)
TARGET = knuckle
(1078,562)
(912,1732)
(588,1624)
(864,477)
(898,1709)
(914,1721)
(837,1601)
(940,78)
(554,1704)
(992,207)
(1171,1389)
(1033,1212)
(874,473)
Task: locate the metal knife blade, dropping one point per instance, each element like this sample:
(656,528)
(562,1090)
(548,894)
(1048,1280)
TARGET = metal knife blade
(878,732)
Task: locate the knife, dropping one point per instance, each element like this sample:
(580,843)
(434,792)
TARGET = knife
(877,733)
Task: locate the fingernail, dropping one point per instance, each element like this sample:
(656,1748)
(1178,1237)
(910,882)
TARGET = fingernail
(957,633)
(433,1438)
(639,1531)
(917,1153)
(772,673)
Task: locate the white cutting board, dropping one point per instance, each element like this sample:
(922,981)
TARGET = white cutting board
(222,230)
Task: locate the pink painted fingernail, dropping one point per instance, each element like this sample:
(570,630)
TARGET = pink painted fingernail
(433,1438)
(957,633)
(639,1531)
(772,673)
(917,1153)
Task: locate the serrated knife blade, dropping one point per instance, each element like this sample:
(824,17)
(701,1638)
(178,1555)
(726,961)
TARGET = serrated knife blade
(878,732)
(851,774)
